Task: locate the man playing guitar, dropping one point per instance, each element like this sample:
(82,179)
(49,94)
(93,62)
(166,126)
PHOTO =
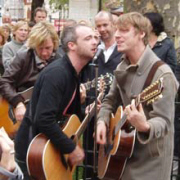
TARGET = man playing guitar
(153,149)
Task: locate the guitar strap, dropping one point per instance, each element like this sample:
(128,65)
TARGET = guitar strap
(152,72)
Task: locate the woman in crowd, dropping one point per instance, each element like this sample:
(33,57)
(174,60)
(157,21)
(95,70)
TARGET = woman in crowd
(20,33)
(160,43)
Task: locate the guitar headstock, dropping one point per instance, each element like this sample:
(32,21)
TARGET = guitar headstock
(152,92)
(105,81)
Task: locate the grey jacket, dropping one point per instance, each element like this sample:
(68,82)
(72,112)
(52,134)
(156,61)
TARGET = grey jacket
(153,153)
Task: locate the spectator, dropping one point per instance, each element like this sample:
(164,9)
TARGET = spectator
(40,14)
(28,62)
(7,31)
(160,43)
(20,33)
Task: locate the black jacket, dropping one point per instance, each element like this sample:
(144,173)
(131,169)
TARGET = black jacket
(52,93)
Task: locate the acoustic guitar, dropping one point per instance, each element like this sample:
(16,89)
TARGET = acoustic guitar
(7,118)
(45,162)
(112,157)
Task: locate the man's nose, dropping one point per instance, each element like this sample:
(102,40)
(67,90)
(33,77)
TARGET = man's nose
(44,52)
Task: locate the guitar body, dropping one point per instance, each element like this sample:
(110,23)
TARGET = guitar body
(44,161)
(5,120)
(111,161)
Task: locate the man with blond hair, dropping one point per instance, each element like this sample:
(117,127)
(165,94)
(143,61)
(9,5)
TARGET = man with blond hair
(152,152)
(23,71)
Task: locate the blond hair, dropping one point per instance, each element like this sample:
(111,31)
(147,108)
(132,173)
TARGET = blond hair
(39,34)
(19,24)
(141,23)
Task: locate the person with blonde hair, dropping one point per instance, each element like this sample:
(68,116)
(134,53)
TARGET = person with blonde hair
(23,71)
(20,33)
(7,31)
(151,126)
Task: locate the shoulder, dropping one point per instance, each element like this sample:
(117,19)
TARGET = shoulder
(7,46)
(165,71)
(167,41)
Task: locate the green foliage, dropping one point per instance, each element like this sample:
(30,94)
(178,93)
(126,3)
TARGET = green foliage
(57,3)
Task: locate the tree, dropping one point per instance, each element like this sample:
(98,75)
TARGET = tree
(34,5)
(168,9)
(57,3)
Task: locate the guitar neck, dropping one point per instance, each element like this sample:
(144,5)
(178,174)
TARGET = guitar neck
(147,96)
(124,117)
(88,117)
(90,84)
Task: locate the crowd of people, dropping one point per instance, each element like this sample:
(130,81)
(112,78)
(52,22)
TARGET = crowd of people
(43,76)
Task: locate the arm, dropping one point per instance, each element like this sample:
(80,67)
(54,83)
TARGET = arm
(171,58)
(159,119)
(47,111)
(8,167)
(49,107)
(8,82)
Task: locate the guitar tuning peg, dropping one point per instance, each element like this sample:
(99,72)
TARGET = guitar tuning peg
(160,96)
(148,102)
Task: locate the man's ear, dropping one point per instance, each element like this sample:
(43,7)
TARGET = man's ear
(142,34)
(71,45)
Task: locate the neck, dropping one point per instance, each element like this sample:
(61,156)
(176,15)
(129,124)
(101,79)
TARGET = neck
(18,41)
(77,62)
(109,42)
(152,40)
(135,54)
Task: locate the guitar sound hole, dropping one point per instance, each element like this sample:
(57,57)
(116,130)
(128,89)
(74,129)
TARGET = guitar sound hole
(129,128)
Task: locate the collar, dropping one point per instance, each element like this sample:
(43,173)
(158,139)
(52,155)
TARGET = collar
(111,47)
(161,37)
(147,58)
(16,42)
(40,61)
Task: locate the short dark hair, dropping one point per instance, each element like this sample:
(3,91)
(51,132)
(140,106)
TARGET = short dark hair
(69,35)
(39,9)
(157,22)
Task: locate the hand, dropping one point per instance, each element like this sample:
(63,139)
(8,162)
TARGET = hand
(82,93)
(89,107)
(101,132)
(20,111)
(7,151)
(76,156)
(137,117)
